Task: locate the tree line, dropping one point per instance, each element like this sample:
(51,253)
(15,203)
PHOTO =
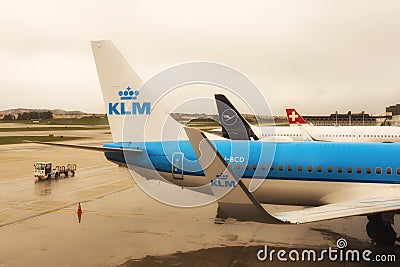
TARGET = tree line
(32,115)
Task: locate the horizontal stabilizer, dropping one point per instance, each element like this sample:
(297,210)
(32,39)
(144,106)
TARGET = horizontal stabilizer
(94,148)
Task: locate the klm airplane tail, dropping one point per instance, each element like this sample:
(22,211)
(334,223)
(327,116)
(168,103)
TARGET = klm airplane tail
(119,85)
(128,102)
(134,113)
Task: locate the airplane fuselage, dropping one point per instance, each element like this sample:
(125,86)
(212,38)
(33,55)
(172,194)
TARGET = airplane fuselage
(389,134)
(301,173)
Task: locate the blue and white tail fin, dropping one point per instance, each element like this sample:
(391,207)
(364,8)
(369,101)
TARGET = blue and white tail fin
(130,105)
(119,86)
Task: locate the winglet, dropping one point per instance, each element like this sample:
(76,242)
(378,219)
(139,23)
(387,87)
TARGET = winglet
(294,117)
(306,135)
(233,197)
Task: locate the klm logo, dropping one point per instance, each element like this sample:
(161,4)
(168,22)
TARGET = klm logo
(129,108)
(222,181)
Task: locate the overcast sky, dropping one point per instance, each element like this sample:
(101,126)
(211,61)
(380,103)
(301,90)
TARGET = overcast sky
(318,56)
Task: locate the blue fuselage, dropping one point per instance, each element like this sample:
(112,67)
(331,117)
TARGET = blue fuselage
(299,161)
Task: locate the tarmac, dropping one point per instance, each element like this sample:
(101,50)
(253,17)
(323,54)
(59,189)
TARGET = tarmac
(122,226)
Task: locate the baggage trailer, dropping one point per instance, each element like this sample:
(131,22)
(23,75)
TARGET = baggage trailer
(44,170)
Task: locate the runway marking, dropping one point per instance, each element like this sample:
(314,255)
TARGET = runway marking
(21,206)
(136,216)
(59,195)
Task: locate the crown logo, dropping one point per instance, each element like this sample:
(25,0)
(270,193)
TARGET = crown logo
(222,176)
(128,94)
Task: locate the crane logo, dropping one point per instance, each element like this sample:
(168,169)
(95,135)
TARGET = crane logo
(229,117)
(129,108)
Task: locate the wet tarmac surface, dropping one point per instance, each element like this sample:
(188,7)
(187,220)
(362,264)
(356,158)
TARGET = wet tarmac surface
(122,226)
(247,256)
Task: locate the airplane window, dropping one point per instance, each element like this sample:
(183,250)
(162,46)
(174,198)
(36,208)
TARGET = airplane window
(378,170)
(389,171)
(238,166)
(280,168)
(299,168)
(339,169)
(289,167)
(319,169)
(349,169)
(254,166)
(368,170)
(272,167)
(309,168)
(359,170)
(398,171)
(246,166)
(263,167)
(329,168)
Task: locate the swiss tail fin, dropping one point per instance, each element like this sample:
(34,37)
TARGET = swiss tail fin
(234,126)
(294,117)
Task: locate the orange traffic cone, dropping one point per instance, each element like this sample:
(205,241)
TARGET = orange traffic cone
(79,212)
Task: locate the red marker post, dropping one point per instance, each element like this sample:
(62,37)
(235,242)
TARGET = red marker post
(79,212)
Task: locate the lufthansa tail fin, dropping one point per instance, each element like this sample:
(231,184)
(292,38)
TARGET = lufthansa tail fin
(234,126)
(294,117)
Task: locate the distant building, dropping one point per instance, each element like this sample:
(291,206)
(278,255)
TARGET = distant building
(395,110)
(347,119)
